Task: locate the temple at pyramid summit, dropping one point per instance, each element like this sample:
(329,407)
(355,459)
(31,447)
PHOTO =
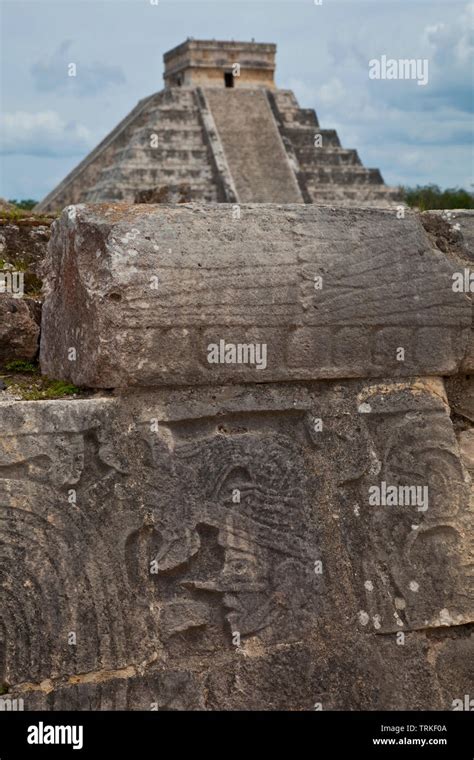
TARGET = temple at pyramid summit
(221,131)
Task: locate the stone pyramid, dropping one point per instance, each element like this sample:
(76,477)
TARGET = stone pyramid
(221,131)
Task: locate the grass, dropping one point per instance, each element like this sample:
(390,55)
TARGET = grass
(29,217)
(12,214)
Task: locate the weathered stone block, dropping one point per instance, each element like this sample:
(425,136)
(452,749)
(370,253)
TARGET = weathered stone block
(135,294)
(453,233)
(452,230)
(460,390)
(23,243)
(19,328)
(466,444)
(162,546)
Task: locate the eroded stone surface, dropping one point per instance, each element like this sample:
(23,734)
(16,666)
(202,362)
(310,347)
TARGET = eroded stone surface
(466,443)
(23,243)
(19,328)
(140,293)
(460,391)
(452,231)
(178,534)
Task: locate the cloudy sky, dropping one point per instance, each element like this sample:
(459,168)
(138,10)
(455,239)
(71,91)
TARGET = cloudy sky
(415,134)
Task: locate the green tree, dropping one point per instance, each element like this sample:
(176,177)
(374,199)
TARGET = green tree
(426,197)
(25,204)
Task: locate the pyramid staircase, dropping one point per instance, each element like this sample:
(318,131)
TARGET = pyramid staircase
(328,173)
(222,145)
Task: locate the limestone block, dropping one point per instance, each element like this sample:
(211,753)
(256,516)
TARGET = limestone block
(466,444)
(195,294)
(452,231)
(23,245)
(162,546)
(19,328)
(460,390)
(468,361)
(463,221)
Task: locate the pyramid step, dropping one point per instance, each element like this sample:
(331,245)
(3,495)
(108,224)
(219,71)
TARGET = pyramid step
(174,116)
(307,117)
(351,195)
(182,97)
(146,142)
(128,193)
(285,99)
(142,168)
(340,175)
(309,157)
(289,111)
(301,137)
(144,154)
(151,175)
(163,127)
(193,155)
(166,180)
(299,117)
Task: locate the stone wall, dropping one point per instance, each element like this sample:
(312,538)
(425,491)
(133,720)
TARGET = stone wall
(197,63)
(211,536)
(23,242)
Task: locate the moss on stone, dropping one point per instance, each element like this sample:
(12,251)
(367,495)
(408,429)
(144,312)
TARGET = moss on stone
(20,365)
(26,382)
(52,389)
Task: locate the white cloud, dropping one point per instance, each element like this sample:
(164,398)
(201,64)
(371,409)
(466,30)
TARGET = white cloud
(452,42)
(450,46)
(43,133)
(52,73)
(304,92)
(332,93)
